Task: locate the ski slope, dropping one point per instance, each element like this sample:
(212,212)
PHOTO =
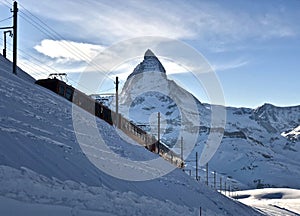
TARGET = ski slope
(43,170)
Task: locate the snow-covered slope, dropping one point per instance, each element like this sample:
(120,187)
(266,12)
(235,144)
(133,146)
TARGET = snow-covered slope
(6,66)
(42,165)
(272,201)
(260,147)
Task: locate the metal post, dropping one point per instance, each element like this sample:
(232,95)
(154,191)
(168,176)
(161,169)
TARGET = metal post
(4,49)
(215,180)
(220,184)
(197,166)
(158,131)
(15,27)
(206,173)
(117,102)
(225,187)
(181,149)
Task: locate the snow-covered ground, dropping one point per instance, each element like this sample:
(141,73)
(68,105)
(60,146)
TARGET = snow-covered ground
(43,170)
(272,201)
(24,190)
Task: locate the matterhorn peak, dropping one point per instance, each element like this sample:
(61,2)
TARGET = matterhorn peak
(150,64)
(149,53)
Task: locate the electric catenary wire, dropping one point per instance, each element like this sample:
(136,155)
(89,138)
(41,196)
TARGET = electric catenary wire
(6,19)
(38,64)
(50,32)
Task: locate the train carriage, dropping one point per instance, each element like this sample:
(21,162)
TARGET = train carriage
(96,108)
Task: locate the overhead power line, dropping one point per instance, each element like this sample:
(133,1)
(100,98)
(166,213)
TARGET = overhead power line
(45,29)
(35,63)
(6,19)
(53,34)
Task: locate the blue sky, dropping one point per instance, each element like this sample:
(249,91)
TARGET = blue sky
(253,46)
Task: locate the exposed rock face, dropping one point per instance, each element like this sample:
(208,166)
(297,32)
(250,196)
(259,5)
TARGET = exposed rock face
(150,64)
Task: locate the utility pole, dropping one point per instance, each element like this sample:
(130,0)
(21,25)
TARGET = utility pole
(220,184)
(181,149)
(197,166)
(225,187)
(15,29)
(215,180)
(206,173)
(158,131)
(117,101)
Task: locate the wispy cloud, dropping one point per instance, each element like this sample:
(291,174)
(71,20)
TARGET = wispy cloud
(212,25)
(69,56)
(229,65)
(204,21)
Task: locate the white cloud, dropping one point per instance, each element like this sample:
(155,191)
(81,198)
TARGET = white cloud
(68,50)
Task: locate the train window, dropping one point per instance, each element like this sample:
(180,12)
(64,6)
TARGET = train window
(61,90)
(69,93)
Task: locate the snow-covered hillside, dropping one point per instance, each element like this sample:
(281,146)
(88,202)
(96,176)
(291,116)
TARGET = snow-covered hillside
(254,149)
(272,201)
(43,170)
(260,146)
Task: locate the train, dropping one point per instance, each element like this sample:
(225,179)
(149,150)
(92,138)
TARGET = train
(103,112)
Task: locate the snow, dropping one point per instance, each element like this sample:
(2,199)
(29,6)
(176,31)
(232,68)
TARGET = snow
(272,201)
(43,170)
(31,188)
(19,208)
(260,147)
(262,157)
(293,134)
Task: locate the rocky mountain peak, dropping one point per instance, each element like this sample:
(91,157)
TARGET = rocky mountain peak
(264,107)
(148,54)
(150,64)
